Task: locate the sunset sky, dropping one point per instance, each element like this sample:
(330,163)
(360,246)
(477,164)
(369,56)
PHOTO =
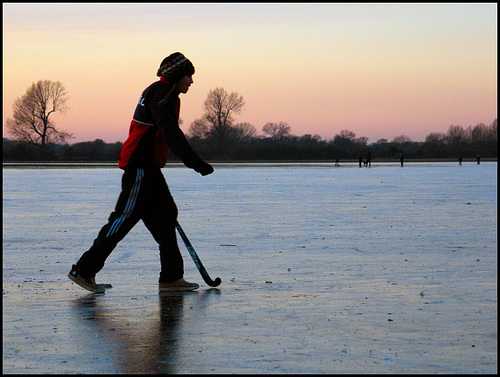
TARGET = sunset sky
(379,70)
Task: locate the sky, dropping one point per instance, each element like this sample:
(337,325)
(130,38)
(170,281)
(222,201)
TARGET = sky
(378,70)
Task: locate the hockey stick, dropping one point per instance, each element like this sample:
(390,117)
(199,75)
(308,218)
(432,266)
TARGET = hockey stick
(197,262)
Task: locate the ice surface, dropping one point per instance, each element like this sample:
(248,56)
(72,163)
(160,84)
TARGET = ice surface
(324,270)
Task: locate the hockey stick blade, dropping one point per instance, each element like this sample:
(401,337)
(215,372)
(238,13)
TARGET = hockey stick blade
(196,260)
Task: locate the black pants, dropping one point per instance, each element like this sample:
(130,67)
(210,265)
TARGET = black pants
(145,196)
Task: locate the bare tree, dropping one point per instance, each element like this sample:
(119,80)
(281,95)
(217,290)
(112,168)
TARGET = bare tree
(199,128)
(494,129)
(219,107)
(31,121)
(436,138)
(361,141)
(277,131)
(456,134)
(401,139)
(244,132)
(481,132)
(344,140)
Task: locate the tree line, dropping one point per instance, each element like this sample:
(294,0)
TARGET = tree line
(216,136)
(458,141)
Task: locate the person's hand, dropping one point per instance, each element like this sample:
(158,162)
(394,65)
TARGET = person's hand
(203,168)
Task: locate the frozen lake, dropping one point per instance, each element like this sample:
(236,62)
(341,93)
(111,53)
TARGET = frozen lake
(324,270)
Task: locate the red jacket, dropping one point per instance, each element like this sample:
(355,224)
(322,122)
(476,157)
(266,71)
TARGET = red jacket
(154,130)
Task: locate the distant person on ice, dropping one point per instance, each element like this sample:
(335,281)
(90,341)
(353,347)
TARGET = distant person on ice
(145,195)
(369,159)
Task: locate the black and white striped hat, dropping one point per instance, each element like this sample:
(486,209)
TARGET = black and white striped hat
(175,66)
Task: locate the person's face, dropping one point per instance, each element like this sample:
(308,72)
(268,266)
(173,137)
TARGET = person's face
(184,84)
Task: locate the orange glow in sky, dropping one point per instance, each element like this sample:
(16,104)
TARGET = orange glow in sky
(379,70)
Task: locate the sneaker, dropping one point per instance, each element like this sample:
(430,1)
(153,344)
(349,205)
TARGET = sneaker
(88,284)
(178,285)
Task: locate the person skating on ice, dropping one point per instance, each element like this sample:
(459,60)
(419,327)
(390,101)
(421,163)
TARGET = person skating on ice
(154,130)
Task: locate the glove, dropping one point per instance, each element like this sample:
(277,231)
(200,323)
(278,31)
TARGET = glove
(203,168)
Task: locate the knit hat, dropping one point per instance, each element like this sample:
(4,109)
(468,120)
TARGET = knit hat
(174,67)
